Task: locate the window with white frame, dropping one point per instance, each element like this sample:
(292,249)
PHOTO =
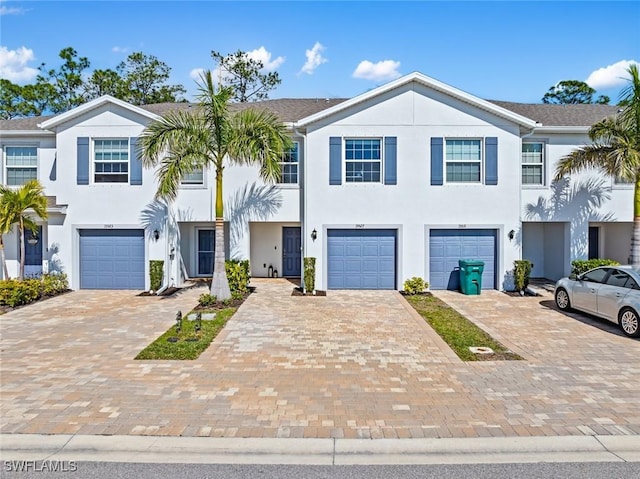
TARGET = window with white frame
(533,163)
(193,178)
(289,166)
(363,160)
(618,181)
(463,161)
(111,160)
(21,164)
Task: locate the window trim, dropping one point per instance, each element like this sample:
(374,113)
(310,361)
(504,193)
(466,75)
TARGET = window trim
(92,160)
(543,165)
(281,184)
(196,186)
(4,173)
(481,161)
(380,139)
(620,185)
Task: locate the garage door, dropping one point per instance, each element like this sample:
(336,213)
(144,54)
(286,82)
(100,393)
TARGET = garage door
(446,247)
(112,259)
(361,259)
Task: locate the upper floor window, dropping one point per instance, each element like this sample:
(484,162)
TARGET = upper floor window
(464,161)
(194,178)
(111,161)
(289,166)
(621,181)
(532,163)
(363,160)
(21,164)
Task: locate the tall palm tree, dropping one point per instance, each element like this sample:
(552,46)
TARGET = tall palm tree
(615,151)
(17,206)
(210,137)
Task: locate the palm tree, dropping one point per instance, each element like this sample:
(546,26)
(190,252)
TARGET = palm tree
(17,206)
(184,141)
(616,151)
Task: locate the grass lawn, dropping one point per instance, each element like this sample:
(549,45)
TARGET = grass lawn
(457,331)
(162,348)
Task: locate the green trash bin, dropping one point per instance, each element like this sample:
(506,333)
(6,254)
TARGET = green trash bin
(471,276)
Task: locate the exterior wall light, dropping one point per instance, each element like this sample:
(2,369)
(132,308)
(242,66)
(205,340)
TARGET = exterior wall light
(314,234)
(156,235)
(511,234)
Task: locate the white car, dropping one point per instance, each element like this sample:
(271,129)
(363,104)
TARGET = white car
(610,292)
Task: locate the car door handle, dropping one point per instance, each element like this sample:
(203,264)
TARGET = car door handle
(593,290)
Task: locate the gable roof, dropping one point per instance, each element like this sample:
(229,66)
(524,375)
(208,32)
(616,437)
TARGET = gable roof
(560,115)
(428,82)
(85,107)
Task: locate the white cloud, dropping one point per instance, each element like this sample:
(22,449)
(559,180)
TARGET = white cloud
(314,58)
(383,70)
(261,54)
(13,64)
(196,74)
(11,10)
(611,76)
(118,49)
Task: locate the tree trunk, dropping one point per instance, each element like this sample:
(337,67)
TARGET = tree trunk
(22,251)
(3,259)
(219,282)
(635,236)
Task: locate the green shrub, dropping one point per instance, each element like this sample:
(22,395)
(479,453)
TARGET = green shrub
(238,275)
(579,266)
(156,272)
(14,292)
(415,285)
(521,272)
(207,299)
(309,274)
(236,295)
(53,284)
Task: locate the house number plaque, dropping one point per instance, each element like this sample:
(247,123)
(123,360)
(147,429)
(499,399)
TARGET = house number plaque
(108,227)
(359,226)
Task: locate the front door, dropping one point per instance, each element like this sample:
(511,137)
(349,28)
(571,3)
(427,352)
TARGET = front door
(33,252)
(206,248)
(594,244)
(291,251)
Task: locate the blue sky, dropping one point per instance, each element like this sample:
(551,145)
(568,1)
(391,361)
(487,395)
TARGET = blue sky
(510,51)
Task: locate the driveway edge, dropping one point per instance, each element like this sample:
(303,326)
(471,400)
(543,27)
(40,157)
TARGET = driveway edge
(207,450)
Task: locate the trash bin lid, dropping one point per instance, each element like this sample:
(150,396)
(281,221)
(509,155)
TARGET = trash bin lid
(470,262)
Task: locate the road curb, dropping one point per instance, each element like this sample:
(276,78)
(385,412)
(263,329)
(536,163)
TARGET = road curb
(208,450)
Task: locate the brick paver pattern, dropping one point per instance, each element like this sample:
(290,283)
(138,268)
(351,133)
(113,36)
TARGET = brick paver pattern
(359,364)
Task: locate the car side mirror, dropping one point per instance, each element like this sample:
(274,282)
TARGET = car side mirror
(573,277)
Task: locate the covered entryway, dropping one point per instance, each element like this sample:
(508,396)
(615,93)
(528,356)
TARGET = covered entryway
(361,259)
(547,246)
(112,259)
(447,247)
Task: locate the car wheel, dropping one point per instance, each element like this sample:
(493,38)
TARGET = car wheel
(562,300)
(629,322)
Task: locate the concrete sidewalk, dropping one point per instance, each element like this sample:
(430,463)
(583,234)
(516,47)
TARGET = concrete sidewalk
(208,450)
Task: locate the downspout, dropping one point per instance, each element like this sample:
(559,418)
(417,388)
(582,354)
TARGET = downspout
(303,199)
(167,261)
(526,135)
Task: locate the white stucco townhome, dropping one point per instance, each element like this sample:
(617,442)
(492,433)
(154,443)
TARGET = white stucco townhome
(401,181)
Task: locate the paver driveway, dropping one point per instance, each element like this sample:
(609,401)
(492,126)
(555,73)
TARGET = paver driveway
(352,364)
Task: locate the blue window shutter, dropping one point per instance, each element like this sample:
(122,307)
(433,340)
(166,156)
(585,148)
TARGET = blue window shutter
(390,160)
(82,174)
(437,161)
(135,165)
(491,160)
(335,160)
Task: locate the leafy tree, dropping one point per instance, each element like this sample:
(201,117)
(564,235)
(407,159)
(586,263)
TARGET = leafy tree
(67,82)
(244,75)
(571,92)
(144,80)
(17,207)
(103,82)
(616,151)
(211,137)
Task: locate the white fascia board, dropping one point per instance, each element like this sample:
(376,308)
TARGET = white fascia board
(562,129)
(429,83)
(6,133)
(85,107)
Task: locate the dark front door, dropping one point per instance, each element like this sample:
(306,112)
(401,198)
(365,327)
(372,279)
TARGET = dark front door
(33,252)
(291,251)
(206,249)
(594,245)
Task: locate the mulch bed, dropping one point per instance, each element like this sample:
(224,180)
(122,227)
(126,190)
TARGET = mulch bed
(516,294)
(230,303)
(300,292)
(167,292)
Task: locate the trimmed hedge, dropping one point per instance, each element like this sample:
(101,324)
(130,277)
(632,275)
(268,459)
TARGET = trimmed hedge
(14,292)
(238,275)
(156,272)
(579,266)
